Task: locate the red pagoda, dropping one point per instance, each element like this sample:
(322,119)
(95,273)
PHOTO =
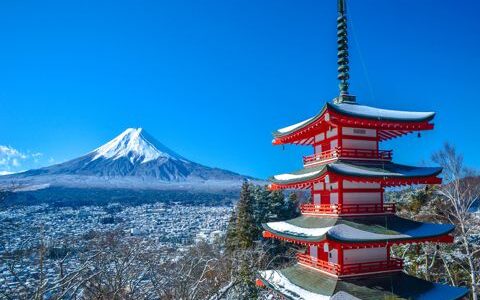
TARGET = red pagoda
(347,229)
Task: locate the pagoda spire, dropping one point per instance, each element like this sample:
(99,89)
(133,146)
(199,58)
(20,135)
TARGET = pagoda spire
(342,54)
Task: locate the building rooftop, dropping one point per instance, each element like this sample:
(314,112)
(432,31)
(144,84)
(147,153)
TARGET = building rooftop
(361,229)
(299,282)
(366,170)
(395,121)
(361,111)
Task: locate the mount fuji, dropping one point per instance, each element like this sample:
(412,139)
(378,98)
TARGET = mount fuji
(133,159)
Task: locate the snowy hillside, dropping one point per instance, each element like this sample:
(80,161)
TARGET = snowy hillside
(132,159)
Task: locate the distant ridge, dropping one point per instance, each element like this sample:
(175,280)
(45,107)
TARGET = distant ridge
(133,159)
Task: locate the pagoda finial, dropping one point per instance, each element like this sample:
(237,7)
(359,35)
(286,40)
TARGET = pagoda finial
(342,54)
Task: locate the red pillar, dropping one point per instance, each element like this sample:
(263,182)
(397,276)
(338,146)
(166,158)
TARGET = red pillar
(340,191)
(340,257)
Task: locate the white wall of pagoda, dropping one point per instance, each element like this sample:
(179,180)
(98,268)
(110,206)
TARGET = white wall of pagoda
(359,132)
(362,198)
(360,185)
(347,138)
(348,256)
(359,144)
(325,193)
(350,193)
(355,256)
(359,138)
(360,193)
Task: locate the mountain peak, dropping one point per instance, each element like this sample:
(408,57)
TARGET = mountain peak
(133,159)
(136,145)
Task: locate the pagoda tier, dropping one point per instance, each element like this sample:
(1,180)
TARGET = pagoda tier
(300,282)
(386,173)
(387,123)
(362,231)
(353,246)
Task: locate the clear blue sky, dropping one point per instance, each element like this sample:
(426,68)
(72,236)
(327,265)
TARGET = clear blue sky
(213,79)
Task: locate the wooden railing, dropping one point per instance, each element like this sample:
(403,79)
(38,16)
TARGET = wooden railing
(392,264)
(348,154)
(368,267)
(320,264)
(339,209)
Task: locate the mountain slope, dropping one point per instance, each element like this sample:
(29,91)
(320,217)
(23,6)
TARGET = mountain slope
(133,159)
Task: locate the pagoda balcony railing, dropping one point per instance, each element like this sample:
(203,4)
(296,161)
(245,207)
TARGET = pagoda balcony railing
(343,209)
(346,153)
(392,264)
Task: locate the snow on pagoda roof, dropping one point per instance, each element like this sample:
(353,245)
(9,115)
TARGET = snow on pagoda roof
(356,229)
(301,283)
(356,169)
(279,282)
(369,112)
(294,126)
(360,111)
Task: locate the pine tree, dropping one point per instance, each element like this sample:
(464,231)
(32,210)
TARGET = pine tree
(292,206)
(246,277)
(261,206)
(276,206)
(246,231)
(231,235)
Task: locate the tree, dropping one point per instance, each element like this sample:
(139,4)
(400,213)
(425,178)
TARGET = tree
(231,235)
(293,206)
(276,208)
(69,278)
(460,190)
(261,206)
(246,231)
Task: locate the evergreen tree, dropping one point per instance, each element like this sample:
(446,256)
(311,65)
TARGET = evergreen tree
(292,206)
(261,206)
(276,208)
(231,235)
(247,281)
(246,230)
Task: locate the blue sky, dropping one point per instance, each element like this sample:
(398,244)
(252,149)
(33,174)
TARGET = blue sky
(213,79)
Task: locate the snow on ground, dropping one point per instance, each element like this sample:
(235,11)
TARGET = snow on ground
(33,187)
(2,173)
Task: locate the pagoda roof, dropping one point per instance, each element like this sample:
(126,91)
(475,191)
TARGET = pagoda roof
(301,283)
(401,121)
(362,229)
(366,171)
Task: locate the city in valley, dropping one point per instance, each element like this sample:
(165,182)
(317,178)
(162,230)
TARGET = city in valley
(65,231)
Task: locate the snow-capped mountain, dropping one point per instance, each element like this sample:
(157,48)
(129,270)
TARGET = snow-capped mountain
(136,145)
(132,159)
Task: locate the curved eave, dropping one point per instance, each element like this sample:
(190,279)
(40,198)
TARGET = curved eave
(387,115)
(384,120)
(385,170)
(355,231)
(296,132)
(300,282)
(389,174)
